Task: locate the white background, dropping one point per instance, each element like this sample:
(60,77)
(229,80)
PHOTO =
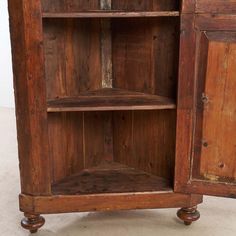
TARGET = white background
(6,81)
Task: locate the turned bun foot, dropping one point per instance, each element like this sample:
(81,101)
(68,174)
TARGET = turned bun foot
(188,215)
(32,222)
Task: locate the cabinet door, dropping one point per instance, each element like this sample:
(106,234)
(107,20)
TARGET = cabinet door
(206,139)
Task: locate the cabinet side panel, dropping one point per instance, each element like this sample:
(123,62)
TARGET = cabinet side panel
(72,56)
(145,55)
(30,96)
(146,141)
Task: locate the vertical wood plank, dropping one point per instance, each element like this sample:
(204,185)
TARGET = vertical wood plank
(217,159)
(66,144)
(145,55)
(30,94)
(106,47)
(185,112)
(69,5)
(137,144)
(72,56)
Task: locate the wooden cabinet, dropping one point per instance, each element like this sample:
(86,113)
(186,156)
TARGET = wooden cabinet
(123,104)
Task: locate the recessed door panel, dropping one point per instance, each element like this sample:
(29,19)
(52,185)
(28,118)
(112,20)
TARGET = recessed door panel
(206,126)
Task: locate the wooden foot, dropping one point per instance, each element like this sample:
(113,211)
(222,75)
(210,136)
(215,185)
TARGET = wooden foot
(188,215)
(32,222)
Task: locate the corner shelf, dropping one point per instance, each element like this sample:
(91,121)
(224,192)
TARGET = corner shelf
(111,178)
(110,14)
(110,99)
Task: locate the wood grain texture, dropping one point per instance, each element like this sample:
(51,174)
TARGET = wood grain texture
(30,96)
(145,5)
(217,22)
(132,146)
(207,160)
(188,6)
(110,14)
(216,6)
(146,49)
(107,202)
(217,123)
(110,99)
(66,144)
(74,144)
(185,106)
(69,5)
(72,56)
(110,177)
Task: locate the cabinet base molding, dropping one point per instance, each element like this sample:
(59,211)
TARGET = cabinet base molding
(32,222)
(106,202)
(188,215)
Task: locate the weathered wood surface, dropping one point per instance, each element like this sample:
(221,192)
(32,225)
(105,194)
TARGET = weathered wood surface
(30,96)
(207,158)
(107,202)
(111,14)
(110,177)
(119,5)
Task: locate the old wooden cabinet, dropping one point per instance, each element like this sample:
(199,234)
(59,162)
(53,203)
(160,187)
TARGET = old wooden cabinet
(124,104)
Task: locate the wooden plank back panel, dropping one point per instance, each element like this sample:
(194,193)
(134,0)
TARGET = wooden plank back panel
(66,144)
(79,140)
(72,56)
(98,138)
(143,146)
(69,5)
(145,5)
(145,55)
(30,96)
(216,121)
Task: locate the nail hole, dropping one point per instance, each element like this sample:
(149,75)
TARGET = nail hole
(221,165)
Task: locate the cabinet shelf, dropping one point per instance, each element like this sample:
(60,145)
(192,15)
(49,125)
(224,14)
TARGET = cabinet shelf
(111,178)
(110,14)
(110,99)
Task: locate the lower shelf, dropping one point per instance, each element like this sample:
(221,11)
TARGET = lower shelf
(110,100)
(110,178)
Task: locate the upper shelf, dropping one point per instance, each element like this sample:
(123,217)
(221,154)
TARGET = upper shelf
(110,100)
(110,14)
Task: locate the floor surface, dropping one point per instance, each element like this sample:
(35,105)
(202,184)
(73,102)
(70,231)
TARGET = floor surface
(218,215)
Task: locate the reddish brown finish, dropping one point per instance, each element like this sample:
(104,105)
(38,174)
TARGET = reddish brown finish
(208,158)
(188,6)
(188,215)
(119,179)
(145,5)
(110,14)
(32,222)
(79,64)
(216,6)
(31,112)
(185,101)
(110,100)
(107,202)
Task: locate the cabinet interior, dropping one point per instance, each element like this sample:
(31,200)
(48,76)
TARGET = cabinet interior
(111,91)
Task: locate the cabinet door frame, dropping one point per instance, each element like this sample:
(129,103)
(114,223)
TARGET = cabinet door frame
(192,25)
